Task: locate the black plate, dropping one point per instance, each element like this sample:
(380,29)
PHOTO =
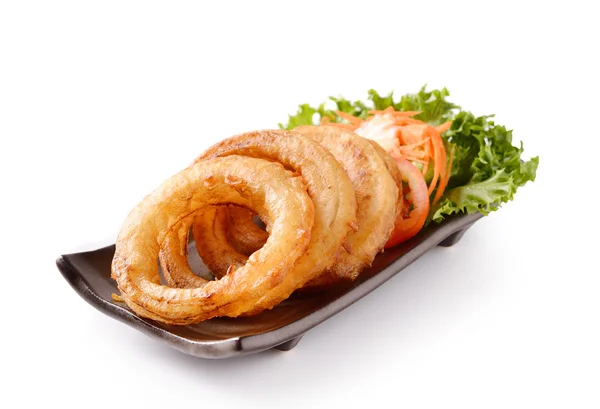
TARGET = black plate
(280,328)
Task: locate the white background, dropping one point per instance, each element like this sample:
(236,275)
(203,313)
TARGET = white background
(101,101)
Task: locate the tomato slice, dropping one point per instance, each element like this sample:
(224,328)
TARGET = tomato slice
(415,206)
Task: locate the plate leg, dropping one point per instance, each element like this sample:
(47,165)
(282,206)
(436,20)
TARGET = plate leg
(289,345)
(453,238)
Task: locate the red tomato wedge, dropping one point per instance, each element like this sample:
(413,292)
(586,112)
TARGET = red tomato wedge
(415,206)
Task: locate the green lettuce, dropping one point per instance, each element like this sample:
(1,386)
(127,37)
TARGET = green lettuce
(487,169)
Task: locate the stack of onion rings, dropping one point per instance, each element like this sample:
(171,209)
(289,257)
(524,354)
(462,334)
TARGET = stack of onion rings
(328,198)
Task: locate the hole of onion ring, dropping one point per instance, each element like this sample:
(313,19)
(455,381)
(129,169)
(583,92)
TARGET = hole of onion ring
(259,222)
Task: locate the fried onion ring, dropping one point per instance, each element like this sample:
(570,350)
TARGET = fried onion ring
(265,187)
(376,197)
(394,170)
(328,186)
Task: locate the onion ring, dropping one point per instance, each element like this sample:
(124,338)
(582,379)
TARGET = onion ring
(328,186)
(394,170)
(376,198)
(265,187)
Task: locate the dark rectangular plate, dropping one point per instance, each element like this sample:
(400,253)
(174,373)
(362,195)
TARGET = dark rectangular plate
(282,327)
